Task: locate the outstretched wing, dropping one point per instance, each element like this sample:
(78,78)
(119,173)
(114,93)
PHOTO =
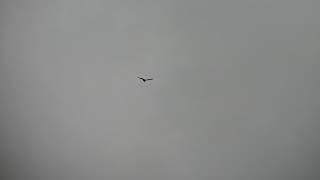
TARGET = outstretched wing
(141,78)
(149,79)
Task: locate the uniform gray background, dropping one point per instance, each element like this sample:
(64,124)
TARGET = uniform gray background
(235,95)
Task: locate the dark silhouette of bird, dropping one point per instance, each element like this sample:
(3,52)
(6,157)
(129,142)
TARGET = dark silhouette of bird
(144,80)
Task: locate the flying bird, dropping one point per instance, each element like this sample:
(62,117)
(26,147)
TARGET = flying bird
(144,80)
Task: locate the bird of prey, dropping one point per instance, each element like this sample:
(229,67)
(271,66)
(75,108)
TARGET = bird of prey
(144,80)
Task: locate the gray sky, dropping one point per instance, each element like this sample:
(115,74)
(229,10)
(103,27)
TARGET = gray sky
(235,94)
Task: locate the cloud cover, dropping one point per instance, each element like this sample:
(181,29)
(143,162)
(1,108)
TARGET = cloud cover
(235,94)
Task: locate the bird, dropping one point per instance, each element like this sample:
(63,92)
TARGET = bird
(144,80)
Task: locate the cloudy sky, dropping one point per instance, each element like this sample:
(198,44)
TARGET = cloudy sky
(235,94)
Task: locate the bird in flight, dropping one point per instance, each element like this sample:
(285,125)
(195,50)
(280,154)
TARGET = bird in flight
(144,80)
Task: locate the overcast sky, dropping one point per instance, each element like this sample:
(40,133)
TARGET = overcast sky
(235,94)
